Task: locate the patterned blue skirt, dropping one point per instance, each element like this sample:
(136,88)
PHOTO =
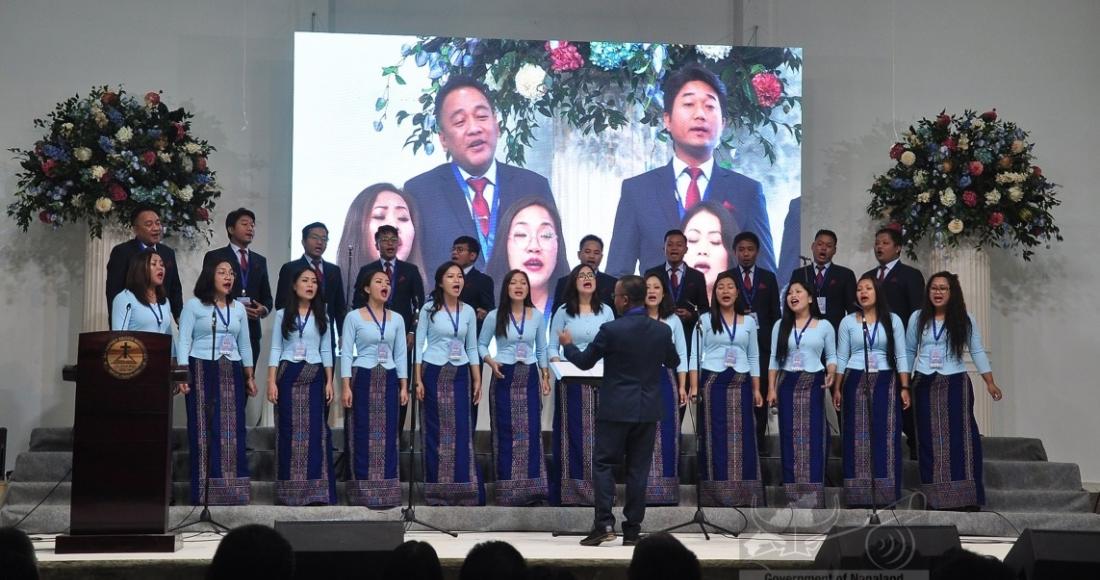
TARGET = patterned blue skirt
(303,441)
(948,443)
(574,438)
(727,441)
(216,432)
(371,429)
(451,473)
(515,417)
(663,487)
(859,447)
(803,437)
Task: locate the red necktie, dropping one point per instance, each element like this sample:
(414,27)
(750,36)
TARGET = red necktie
(320,275)
(244,260)
(674,279)
(480,206)
(693,189)
(748,281)
(881,273)
(389,270)
(820,278)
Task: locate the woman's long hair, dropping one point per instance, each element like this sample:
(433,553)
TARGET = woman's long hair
(786,324)
(204,285)
(665,307)
(437,292)
(884,316)
(572,299)
(716,310)
(290,304)
(497,265)
(505,305)
(354,237)
(139,280)
(955,318)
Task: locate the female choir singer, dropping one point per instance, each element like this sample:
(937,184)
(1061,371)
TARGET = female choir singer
(374,388)
(143,305)
(574,433)
(797,383)
(214,335)
(871,361)
(948,442)
(299,383)
(664,478)
(448,381)
(729,382)
(515,405)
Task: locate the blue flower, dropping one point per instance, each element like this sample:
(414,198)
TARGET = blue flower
(964,181)
(612,55)
(437,70)
(429,148)
(378,126)
(421,58)
(202,178)
(55,152)
(899,183)
(154,133)
(142,195)
(114,116)
(105,144)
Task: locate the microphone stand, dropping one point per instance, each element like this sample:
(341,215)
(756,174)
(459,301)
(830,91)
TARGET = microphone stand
(204,515)
(869,415)
(699,518)
(408,513)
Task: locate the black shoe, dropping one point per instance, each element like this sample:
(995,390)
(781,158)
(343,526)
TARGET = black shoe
(598,537)
(631,539)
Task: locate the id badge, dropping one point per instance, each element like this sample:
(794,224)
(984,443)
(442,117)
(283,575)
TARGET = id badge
(754,318)
(522,351)
(796,360)
(455,350)
(244,300)
(229,346)
(299,353)
(731,357)
(821,304)
(935,358)
(872,363)
(383,353)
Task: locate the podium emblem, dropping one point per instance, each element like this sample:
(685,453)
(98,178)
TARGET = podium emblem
(124,357)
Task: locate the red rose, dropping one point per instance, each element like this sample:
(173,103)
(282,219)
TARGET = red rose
(950,144)
(106,177)
(970,199)
(181,131)
(44,216)
(200,163)
(1036,171)
(152,98)
(117,192)
(943,120)
(203,214)
(996,218)
(149,158)
(896,151)
(976,168)
(48,166)
(990,116)
(108,98)
(768,87)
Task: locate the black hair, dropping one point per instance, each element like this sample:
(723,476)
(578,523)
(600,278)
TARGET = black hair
(386,229)
(590,238)
(955,318)
(786,323)
(290,305)
(362,280)
(716,310)
(493,560)
(140,209)
(138,280)
(454,83)
(413,560)
(693,72)
(17,557)
(674,232)
(204,285)
(572,300)
(235,216)
(437,292)
(894,235)
(353,244)
(665,307)
(726,225)
(470,242)
(634,289)
(505,305)
(314,225)
(884,316)
(498,264)
(252,551)
(660,556)
(824,232)
(743,236)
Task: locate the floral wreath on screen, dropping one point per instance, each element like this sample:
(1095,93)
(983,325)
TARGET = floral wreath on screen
(966,180)
(108,153)
(569,81)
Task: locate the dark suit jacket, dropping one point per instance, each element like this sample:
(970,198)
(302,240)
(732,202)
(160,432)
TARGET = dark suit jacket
(633,348)
(648,209)
(477,291)
(445,216)
(792,240)
(605,287)
(904,290)
(693,295)
(839,290)
(259,287)
(119,263)
(765,303)
(332,289)
(408,292)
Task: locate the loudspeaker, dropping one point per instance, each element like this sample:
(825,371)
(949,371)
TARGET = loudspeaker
(885,547)
(1055,554)
(346,549)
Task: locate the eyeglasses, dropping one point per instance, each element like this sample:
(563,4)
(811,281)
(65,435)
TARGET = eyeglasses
(586,276)
(387,240)
(544,237)
(317,238)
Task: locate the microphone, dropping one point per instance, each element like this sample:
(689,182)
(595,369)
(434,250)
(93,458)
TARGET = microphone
(125,317)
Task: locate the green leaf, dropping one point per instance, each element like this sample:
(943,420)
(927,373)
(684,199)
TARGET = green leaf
(380,104)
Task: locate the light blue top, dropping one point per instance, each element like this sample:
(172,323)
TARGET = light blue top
(819,338)
(678,341)
(195,339)
(141,317)
(850,341)
(745,345)
(583,327)
(435,333)
(921,362)
(534,335)
(318,348)
(361,331)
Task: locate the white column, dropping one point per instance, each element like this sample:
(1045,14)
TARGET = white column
(96,253)
(972,267)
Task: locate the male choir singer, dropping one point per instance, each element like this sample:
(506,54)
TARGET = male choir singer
(147,234)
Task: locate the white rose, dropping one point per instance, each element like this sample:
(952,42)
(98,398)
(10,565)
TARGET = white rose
(186,164)
(977,123)
(184,194)
(164,156)
(715,52)
(98,171)
(529,81)
(192,148)
(947,197)
(920,177)
(964,143)
(103,204)
(77,200)
(100,119)
(82,153)
(955,226)
(67,128)
(124,134)
(1017,146)
(1015,193)
(908,158)
(993,197)
(924,196)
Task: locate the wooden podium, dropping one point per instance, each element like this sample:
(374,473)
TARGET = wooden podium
(122,448)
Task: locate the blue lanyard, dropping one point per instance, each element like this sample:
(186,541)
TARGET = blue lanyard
(159,313)
(381,326)
(225,320)
(936,335)
(522,324)
(458,313)
(870,338)
(798,335)
(733,332)
(301,324)
(487,241)
(750,290)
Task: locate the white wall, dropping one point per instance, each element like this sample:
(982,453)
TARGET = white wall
(231,63)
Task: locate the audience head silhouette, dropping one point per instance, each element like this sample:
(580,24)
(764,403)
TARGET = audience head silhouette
(661,556)
(413,561)
(252,551)
(17,559)
(493,560)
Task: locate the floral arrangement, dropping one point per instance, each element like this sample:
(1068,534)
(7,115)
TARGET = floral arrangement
(107,153)
(593,86)
(967,179)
